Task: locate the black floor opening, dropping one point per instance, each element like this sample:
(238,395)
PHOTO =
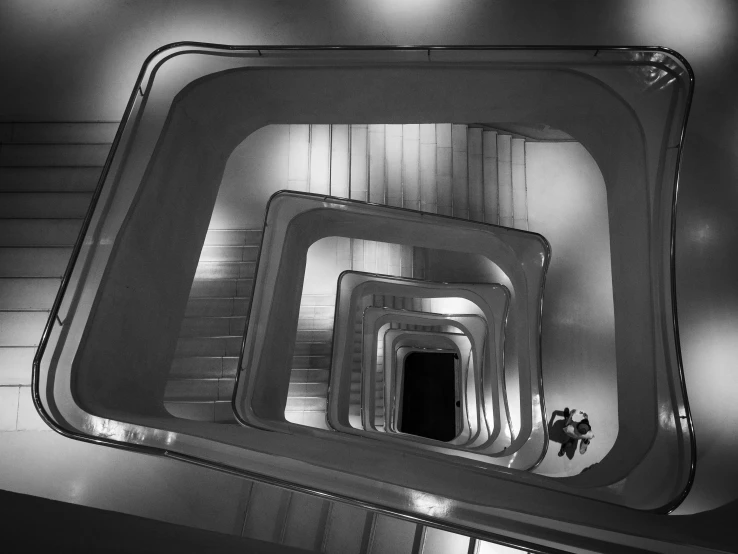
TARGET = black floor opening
(429,396)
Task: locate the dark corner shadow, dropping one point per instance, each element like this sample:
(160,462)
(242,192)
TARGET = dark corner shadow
(556,433)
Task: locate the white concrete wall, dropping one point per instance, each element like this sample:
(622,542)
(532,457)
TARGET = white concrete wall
(256,169)
(567,204)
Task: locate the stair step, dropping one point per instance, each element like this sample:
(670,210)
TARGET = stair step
(225,270)
(218,411)
(357,386)
(318,300)
(344,531)
(229,253)
(217,307)
(221,288)
(392,535)
(314,336)
(519,187)
(460,176)
(310,375)
(320,154)
(358,166)
(438,541)
(204,367)
(22,328)
(191,389)
(57,205)
(49,179)
(444,168)
(393,156)
(316,419)
(317,312)
(233,237)
(188,347)
(504,180)
(340,161)
(311,362)
(33,261)
(53,155)
(310,324)
(212,326)
(266,513)
(305,522)
(411,166)
(307,389)
(312,349)
(93,132)
(305,404)
(199,389)
(39,232)
(427,164)
(197,368)
(377,171)
(475,174)
(491,189)
(16,363)
(28,294)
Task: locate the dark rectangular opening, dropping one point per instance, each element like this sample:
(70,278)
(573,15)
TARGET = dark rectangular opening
(429,396)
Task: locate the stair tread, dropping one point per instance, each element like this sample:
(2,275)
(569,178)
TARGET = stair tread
(38,205)
(39,232)
(75,132)
(54,155)
(34,261)
(49,179)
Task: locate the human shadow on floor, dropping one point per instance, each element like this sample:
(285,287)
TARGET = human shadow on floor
(556,433)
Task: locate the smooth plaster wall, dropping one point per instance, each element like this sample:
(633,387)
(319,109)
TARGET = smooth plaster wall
(567,204)
(78,60)
(255,170)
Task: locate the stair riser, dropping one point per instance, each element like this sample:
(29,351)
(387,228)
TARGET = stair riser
(212,327)
(312,349)
(305,404)
(39,232)
(204,288)
(310,376)
(22,328)
(217,237)
(199,389)
(314,336)
(214,411)
(55,155)
(39,205)
(33,262)
(318,300)
(311,362)
(28,294)
(49,179)
(59,133)
(217,307)
(307,390)
(229,253)
(225,270)
(208,347)
(317,312)
(315,324)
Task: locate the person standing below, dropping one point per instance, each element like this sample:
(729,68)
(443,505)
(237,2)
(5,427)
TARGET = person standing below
(576,428)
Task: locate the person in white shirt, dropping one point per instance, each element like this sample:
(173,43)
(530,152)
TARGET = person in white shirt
(576,428)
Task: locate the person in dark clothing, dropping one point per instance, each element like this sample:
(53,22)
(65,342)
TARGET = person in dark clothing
(577,427)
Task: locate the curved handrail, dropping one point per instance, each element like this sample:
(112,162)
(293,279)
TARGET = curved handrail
(55,309)
(383,284)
